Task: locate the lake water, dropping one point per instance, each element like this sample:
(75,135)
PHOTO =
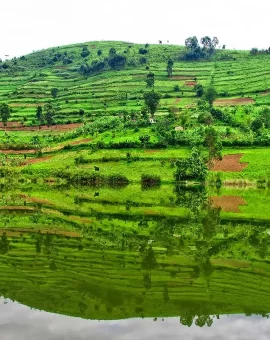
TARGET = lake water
(130,263)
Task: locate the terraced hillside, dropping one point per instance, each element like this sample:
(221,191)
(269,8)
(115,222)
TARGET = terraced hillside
(27,81)
(72,108)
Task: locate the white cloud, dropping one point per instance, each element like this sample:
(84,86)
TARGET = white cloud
(31,24)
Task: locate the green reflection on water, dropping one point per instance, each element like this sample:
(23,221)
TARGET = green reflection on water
(128,252)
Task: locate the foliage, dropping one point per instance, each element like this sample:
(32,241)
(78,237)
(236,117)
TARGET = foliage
(151,100)
(191,168)
(5,113)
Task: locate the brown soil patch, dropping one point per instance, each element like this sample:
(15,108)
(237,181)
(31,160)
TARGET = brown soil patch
(35,160)
(190,83)
(228,203)
(17,152)
(265,93)
(17,232)
(81,141)
(35,199)
(231,263)
(181,77)
(151,212)
(177,100)
(151,151)
(80,219)
(230,163)
(17,126)
(234,101)
(25,104)
(17,207)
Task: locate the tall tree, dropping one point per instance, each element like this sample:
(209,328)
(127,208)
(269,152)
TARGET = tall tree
(49,113)
(151,100)
(54,92)
(170,67)
(39,114)
(4,113)
(210,94)
(213,143)
(150,80)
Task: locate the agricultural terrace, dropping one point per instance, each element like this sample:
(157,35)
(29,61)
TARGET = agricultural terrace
(129,109)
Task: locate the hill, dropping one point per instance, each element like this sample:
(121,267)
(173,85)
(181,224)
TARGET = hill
(98,95)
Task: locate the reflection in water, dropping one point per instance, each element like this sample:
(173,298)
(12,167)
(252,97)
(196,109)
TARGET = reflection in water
(80,254)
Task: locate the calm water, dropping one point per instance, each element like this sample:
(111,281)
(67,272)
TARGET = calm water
(129,263)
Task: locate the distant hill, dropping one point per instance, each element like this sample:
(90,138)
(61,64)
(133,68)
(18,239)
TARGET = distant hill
(108,78)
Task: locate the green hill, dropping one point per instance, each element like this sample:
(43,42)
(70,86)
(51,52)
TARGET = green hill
(69,103)
(26,82)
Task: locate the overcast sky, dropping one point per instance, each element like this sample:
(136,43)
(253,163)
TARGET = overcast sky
(28,25)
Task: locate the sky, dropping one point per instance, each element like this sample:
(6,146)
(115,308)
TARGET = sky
(28,25)
(21,322)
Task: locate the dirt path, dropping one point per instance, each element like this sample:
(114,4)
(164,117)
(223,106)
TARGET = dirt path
(228,203)
(230,163)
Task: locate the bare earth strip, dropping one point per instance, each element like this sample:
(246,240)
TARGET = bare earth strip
(17,126)
(228,203)
(234,101)
(230,163)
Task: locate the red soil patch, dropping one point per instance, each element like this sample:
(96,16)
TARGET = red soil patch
(190,83)
(234,101)
(177,100)
(228,203)
(230,163)
(181,77)
(17,126)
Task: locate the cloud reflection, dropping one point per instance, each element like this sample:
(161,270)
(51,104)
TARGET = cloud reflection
(21,322)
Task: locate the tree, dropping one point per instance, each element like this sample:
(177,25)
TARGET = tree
(210,94)
(213,143)
(39,114)
(112,52)
(192,43)
(54,92)
(199,90)
(49,113)
(150,80)
(5,113)
(151,100)
(191,168)
(169,67)
(85,52)
(257,124)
